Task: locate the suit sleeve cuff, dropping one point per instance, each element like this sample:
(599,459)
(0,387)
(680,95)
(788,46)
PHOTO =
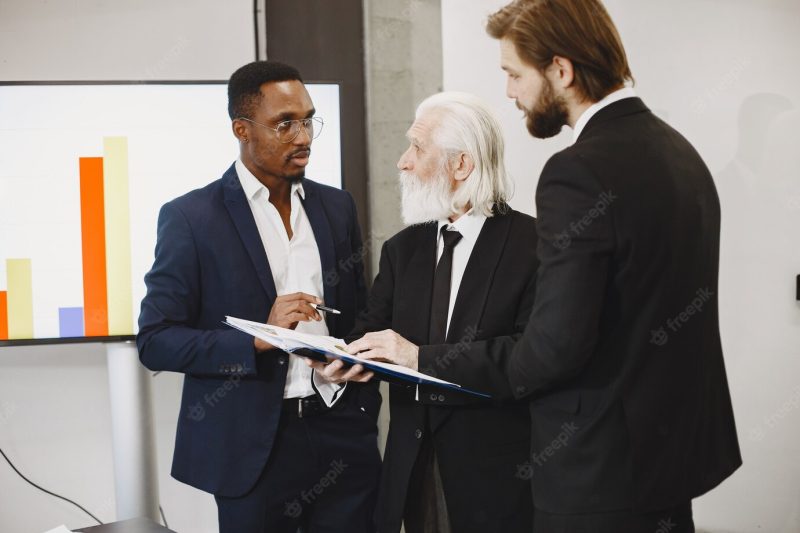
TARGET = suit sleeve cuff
(429,361)
(239,354)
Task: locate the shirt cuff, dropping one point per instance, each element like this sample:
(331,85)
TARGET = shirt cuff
(329,392)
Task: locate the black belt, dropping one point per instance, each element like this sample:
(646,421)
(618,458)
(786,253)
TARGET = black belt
(304,407)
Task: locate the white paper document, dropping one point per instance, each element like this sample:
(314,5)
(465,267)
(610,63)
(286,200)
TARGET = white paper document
(59,529)
(290,340)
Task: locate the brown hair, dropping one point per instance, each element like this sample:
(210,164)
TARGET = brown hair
(579,30)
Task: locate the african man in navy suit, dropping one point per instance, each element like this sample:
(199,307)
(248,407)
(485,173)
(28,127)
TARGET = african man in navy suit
(276,444)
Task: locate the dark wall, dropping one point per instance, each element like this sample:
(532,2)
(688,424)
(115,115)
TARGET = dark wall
(324,39)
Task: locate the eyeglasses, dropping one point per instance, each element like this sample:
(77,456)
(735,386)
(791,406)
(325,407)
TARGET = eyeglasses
(288,130)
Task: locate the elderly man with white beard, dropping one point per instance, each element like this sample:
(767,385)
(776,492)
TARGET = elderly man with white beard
(452,296)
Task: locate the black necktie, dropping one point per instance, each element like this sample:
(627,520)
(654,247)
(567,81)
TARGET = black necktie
(440,302)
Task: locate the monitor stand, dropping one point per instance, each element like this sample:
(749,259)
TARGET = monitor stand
(133,434)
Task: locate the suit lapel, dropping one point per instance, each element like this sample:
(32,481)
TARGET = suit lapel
(418,286)
(473,292)
(477,279)
(417,283)
(242,216)
(320,225)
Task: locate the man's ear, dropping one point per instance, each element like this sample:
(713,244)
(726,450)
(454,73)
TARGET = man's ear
(462,166)
(239,130)
(561,73)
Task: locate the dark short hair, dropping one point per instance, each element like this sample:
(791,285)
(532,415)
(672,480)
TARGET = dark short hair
(579,30)
(244,87)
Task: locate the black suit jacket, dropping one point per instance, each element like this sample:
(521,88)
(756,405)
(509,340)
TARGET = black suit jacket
(480,444)
(622,354)
(210,262)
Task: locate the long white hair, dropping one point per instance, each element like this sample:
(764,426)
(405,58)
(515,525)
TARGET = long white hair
(466,125)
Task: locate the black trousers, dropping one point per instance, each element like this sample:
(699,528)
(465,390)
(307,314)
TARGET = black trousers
(676,520)
(426,508)
(321,477)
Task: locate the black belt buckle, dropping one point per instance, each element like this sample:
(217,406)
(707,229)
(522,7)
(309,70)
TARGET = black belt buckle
(308,406)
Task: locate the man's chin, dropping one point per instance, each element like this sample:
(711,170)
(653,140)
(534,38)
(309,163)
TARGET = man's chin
(542,129)
(423,204)
(412,218)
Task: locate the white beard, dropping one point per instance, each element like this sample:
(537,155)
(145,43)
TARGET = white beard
(425,201)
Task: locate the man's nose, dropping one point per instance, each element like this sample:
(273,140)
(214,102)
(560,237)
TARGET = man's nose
(403,163)
(511,88)
(303,137)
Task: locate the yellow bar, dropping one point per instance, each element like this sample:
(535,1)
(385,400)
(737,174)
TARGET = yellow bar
(20,298)
(118,236)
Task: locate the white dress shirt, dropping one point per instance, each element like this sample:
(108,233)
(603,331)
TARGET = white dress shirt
(469,225)
(616,96)
(295,266)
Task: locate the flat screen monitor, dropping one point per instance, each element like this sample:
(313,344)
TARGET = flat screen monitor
(84,169)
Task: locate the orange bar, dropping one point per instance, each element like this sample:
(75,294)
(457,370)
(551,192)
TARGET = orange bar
(3,316)
(93,241)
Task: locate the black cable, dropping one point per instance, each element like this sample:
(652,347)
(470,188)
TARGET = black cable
(45,490)
(163,518)
(255,26)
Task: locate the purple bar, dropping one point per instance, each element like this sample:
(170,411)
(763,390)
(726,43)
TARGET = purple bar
(70,321)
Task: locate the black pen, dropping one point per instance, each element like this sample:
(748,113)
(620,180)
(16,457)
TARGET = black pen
(326,309)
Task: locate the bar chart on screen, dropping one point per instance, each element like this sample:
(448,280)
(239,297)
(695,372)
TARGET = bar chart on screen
(103,209)
(84,171)
(105,250)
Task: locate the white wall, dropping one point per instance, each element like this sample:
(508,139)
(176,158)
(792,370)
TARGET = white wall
(54,415)
(724,73)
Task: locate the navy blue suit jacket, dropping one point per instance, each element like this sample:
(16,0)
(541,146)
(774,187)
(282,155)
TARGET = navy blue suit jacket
(210,262)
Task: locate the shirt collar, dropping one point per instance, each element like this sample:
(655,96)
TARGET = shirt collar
(253,187)
(616,96)
(469,225)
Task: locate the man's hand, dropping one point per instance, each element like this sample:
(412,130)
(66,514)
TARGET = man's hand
(334,371)
(287,311)
(388,346)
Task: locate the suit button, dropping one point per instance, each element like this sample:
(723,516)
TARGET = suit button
(441,397)
(282,360)
(418,433)
(433,397)
(238,369)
